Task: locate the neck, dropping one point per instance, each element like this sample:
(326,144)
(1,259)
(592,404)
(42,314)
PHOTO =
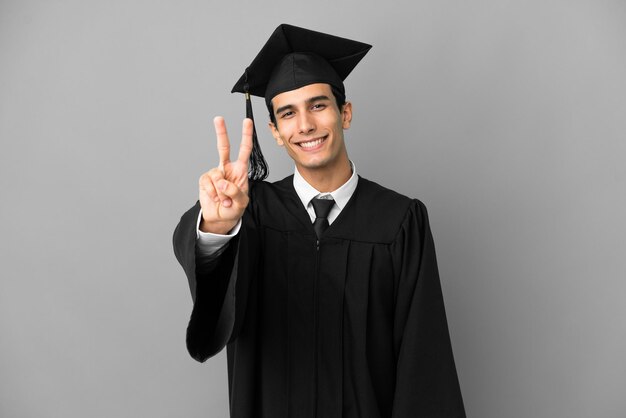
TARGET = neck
(327,179)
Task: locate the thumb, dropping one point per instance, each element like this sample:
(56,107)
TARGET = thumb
(232,192)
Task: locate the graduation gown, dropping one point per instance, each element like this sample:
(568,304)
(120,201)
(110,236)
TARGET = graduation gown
(350,325)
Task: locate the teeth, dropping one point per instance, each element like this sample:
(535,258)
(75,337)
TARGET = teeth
(311,144)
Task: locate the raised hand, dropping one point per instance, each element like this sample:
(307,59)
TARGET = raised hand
(223,190)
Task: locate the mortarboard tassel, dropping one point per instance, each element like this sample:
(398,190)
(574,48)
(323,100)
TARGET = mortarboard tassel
(257,168)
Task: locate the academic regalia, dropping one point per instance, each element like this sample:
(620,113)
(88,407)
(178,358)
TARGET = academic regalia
(350,325)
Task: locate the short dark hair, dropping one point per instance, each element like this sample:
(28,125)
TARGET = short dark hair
(340,98)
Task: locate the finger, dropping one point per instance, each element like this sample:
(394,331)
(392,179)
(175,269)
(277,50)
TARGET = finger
(222,185)
(245,149)
(215,176)
(234,193)
(223,145)
(206,184)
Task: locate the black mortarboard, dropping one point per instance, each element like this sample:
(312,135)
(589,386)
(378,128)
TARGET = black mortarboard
(291,58)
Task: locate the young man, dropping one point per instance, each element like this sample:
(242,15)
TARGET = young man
(324,285)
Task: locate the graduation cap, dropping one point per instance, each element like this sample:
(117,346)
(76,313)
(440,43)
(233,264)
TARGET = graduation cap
(291,58)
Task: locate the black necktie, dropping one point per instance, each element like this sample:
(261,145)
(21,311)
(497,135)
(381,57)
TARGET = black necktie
(322,209)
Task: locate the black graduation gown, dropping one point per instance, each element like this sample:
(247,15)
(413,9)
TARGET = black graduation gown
(350,326)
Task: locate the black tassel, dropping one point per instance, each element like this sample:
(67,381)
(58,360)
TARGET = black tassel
(257,168)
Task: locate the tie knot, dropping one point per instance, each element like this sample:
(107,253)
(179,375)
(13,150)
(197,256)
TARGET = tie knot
(322,207)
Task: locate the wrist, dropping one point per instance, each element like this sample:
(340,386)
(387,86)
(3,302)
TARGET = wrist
(220,228)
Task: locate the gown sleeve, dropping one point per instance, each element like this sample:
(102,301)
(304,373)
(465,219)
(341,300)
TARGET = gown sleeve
(426,378)
(219,289)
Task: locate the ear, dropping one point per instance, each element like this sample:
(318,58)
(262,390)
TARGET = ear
(346,115)
(276,134)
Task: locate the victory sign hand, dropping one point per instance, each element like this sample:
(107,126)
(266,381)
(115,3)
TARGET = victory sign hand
(223,190)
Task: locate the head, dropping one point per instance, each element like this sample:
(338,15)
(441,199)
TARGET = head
(309,124)
(294,58)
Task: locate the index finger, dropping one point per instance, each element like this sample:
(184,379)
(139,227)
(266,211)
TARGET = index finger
(223,145)
(245,149)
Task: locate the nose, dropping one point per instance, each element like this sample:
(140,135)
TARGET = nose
(306,124)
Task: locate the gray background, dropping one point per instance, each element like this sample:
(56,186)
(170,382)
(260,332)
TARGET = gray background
(507,118)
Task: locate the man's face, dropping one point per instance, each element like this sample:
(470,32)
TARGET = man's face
(310,127)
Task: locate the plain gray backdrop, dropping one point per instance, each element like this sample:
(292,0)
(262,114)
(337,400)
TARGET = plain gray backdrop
(507,118)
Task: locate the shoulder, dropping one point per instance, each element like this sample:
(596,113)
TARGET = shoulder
(387,202)
(276,204)
(378,195)
(261,191)
(379,214)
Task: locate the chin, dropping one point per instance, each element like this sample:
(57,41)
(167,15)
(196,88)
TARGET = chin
(315,164)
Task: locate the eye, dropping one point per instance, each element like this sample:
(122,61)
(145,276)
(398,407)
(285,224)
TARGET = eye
(286,115)
(318,106)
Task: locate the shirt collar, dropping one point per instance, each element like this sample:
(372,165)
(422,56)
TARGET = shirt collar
(341,196)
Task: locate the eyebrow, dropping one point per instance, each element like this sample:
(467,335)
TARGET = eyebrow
(307,101)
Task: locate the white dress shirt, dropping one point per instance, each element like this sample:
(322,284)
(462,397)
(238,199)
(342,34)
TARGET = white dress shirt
(208,244)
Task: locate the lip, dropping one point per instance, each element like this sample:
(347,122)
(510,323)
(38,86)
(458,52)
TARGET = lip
(315,143)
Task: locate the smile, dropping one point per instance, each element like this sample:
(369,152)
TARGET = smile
(313,143)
